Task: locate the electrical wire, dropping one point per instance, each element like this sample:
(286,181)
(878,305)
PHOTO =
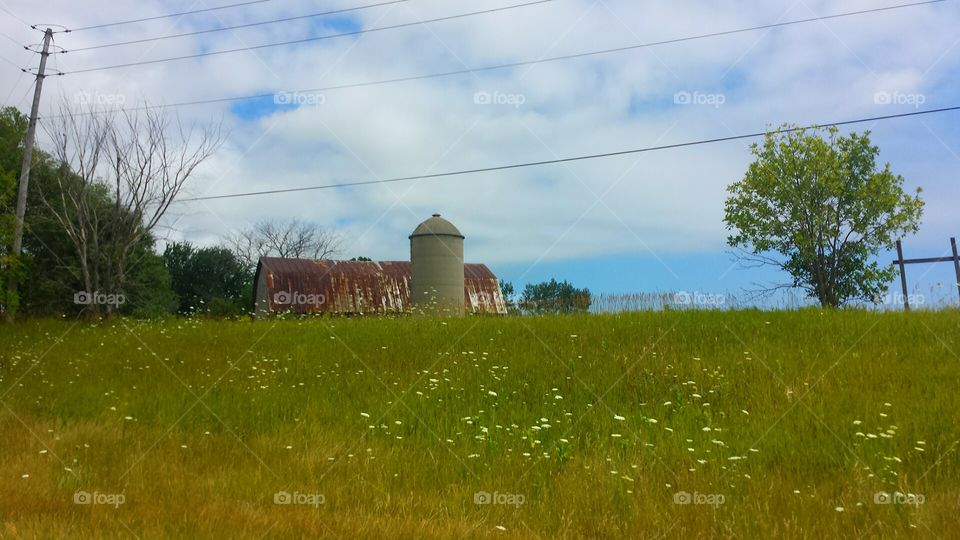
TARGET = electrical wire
(156,17)
(248,25)
(527,62)
(317,38)
(11,62)
(569,159)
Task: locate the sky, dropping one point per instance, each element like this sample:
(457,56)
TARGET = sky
(635,223)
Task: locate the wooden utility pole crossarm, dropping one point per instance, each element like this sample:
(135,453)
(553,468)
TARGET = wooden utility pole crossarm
(17,246)
(901,262)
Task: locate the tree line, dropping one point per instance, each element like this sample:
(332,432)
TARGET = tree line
(96,201)
(814,204)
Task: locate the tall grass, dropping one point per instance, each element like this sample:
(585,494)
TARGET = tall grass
(791,424)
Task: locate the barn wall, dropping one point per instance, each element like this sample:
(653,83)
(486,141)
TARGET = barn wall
(358,287)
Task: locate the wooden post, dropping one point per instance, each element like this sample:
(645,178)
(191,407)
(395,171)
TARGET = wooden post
(956,261)
(903,276)
(28,141)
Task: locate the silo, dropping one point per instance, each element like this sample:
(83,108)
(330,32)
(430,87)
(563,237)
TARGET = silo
(436,260)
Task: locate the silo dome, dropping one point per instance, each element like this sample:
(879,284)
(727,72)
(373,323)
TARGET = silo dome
(436,260)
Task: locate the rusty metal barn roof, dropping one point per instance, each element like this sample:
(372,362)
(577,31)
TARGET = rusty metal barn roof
(360,287)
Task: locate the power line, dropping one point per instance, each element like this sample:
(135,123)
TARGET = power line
(12,40)
(317,38)
(11,62)
(248,25)
(569,159)
(528,62)
(181,14)
(14,15)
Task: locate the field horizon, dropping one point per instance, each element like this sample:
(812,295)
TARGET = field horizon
(722,424)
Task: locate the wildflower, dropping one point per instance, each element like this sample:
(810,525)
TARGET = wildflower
(365,415)
(618,417)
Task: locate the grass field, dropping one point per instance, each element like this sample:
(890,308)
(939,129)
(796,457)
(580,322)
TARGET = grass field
(786,424)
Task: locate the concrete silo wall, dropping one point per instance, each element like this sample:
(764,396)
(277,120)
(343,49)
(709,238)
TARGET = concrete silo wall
(437,279)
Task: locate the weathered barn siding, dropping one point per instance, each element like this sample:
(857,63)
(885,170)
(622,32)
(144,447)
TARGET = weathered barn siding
(358,287)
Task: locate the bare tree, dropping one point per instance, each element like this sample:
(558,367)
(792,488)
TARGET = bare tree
(293,239)
(119,173)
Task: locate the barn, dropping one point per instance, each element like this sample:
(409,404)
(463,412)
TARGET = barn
(436,280)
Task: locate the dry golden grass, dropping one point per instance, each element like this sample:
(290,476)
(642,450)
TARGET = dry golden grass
(393,426)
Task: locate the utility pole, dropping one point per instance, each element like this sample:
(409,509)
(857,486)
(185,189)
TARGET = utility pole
(25,169)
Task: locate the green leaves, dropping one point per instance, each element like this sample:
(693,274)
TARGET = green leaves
(554,297)
(815,204)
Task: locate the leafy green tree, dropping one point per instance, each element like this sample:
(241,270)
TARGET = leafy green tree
(49,268)
(554,297)
(13,127)
(816,205)
(211,280)
(509,293)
